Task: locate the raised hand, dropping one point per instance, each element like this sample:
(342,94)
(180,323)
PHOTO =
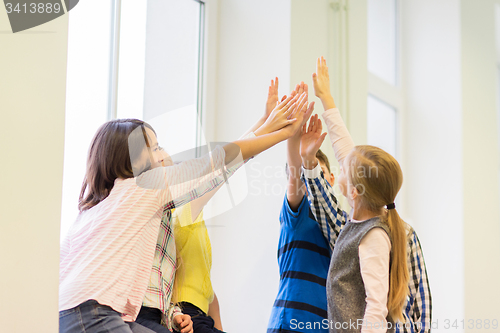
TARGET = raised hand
(321,81)
(272,98)
(311,141)
(299,89)
(300,116)
(282,115)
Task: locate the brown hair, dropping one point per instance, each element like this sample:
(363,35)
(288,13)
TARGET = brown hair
(110,157)
(378,177)
(323,159)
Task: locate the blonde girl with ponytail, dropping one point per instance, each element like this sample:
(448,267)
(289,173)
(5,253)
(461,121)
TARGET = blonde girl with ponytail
(373,178)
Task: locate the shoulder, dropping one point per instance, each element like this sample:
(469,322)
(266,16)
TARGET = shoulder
(286,210)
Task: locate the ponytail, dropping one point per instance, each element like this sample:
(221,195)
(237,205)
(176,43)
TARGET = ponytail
(398,277)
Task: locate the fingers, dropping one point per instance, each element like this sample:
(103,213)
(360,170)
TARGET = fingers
(301,87)
(284,102)
(295,104)
(308,112)
(311,123)
(302,102)
(298,106)
(291,103)
(186,324)
(319,127)
(320,140)
(304,128)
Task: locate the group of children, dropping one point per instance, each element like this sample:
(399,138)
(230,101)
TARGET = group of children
(375,272)
(138,256)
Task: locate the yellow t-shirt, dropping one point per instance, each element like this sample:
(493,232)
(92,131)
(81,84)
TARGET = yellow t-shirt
(194,254)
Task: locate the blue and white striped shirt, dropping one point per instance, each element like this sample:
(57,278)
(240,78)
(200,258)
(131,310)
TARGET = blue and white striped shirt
(304,259)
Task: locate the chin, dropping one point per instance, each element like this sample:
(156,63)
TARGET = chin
(168,162)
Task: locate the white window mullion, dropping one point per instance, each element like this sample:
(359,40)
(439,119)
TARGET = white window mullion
(385,91)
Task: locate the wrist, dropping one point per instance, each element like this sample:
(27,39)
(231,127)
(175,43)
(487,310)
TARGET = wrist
(259,127)
(309,162)
(328,102)
(259,131)
(294,140)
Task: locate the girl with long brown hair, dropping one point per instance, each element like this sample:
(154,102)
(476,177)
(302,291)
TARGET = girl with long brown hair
(107,255)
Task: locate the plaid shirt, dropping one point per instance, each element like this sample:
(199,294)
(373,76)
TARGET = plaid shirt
(160,286)
(332,219)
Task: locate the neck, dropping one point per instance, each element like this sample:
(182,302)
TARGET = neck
(361,214)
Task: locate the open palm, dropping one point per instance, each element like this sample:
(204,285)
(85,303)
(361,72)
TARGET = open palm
(311,138)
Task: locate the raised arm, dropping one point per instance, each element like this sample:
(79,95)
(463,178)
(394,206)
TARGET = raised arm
(337,131)
(276,118)
(285,120)
(324,205)
(193,178)
(272,101)
(295,187)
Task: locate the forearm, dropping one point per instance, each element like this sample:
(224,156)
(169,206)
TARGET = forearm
(198,204)
(374,253)
(214,312)
(251,146)
(327,101)
(339,135)
(254,127)
(295,187)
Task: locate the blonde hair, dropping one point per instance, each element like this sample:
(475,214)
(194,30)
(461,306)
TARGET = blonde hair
(377,177)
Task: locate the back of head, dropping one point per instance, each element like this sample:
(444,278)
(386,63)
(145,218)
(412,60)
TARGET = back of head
(109,158)
(323,159)
(377,177)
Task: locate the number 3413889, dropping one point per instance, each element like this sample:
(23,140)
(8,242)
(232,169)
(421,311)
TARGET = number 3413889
(471,324)
(33,8)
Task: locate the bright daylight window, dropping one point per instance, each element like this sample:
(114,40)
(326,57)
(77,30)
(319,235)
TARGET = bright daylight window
(497,33)
(131,60)
(385,96)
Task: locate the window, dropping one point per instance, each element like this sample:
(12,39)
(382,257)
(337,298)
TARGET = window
(497,35)
(382,131)
(136,60)
(384,91)
(87,94)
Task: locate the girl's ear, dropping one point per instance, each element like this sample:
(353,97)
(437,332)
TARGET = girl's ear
(354,193)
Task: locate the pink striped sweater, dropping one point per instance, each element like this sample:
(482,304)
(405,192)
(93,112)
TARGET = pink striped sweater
(108,252)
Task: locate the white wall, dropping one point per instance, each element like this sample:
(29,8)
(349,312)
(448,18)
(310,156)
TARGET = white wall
(481,211)
(252,43)
(252,47)
(433,150)
(32,99)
